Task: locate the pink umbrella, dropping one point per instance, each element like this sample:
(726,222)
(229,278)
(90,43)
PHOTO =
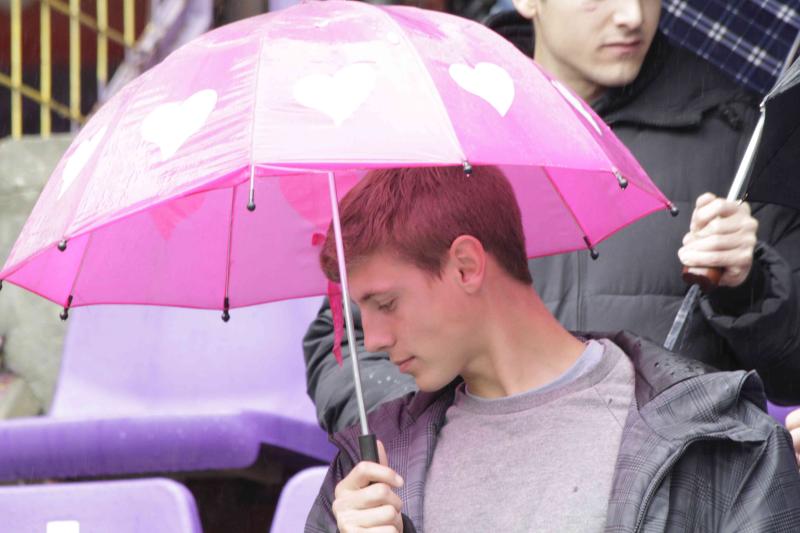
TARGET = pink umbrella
(155,200)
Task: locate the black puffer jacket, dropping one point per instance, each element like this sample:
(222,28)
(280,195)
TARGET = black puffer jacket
(687,125)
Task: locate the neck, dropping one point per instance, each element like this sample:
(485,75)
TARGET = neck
(524,346)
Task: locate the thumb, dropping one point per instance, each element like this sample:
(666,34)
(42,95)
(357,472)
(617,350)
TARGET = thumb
(382,458)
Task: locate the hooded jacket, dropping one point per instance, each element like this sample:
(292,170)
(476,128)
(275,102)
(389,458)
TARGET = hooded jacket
(688,126)
(697,452)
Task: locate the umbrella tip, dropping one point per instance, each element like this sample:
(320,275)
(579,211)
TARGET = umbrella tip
(65,313)
(673,209)
(592,251)
(225,314)
(251,206)
(62,245)
(623,183)
(467,169)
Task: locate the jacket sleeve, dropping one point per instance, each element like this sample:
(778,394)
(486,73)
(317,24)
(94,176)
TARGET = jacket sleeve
(331,387)
(768,498)
(760,320)
(320,518)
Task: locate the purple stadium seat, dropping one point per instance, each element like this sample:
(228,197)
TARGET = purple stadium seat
(131,506)
(149,390)
(779,412)
(296,499)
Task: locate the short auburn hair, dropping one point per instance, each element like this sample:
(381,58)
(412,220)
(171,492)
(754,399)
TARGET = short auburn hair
(419,212)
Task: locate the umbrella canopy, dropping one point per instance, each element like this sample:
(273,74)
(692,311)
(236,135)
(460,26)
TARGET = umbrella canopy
(748,39)
(775,175)
(149,205)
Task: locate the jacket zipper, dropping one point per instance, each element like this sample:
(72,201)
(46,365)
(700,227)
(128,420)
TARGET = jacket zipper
(662,473)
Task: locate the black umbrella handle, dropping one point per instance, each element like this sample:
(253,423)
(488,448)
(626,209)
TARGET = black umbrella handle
(369,447)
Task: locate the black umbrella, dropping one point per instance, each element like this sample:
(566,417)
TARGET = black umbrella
(774,177)
(769,166)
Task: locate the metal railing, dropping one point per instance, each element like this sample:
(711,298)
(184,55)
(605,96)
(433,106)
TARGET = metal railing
(77,19)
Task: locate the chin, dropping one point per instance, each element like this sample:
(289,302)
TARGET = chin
(620,75)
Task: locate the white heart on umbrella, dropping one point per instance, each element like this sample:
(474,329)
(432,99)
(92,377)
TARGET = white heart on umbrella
(78,159)
(337,96)
(170,125)
(579,107)
(488,81)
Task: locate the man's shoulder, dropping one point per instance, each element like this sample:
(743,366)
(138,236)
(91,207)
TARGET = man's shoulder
(659,370)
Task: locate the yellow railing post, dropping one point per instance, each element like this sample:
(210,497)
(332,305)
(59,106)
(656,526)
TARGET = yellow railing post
(74,59)
(16,68)
(45,76)
(102,45)
(129,23)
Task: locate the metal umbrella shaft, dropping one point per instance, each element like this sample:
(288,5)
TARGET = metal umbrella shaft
(690,300)
(367,442)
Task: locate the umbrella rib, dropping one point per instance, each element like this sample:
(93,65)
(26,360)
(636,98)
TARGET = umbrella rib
(434,89)
(80,266)
(230,248)
(564,202)
(251,199)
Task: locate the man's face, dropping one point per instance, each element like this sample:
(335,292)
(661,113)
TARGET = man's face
(592,45)
(424,322)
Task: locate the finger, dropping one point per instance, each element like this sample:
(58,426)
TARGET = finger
(347,507)
(367,472)
(718,208)
(721,242)
(739,223)
(372,521)
(385,515)
(727,260)
(705,199)
(796,439)
(793,420)
(702,202)
(376,495)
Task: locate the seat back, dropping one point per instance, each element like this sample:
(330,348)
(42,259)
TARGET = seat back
(131,361)
(128,506)
(296,499)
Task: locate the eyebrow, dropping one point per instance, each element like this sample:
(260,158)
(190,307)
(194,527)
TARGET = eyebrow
(371,296)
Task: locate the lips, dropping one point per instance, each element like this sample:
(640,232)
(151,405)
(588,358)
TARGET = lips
(624,46)
(404,364)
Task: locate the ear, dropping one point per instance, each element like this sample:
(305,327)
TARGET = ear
(468,262)
(527,8)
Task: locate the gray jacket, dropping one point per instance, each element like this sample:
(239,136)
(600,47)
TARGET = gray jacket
(698,452)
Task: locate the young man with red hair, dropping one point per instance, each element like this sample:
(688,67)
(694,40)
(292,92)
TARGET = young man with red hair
(518,424)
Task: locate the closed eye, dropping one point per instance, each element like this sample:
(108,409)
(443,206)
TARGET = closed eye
(387,307)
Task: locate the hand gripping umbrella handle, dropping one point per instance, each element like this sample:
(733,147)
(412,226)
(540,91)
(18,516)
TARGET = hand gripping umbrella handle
(708,277)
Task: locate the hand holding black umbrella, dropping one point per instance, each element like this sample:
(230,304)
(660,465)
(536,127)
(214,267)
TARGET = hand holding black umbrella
(771,156)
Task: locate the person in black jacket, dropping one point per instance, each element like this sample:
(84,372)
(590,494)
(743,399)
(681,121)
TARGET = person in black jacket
(688,126)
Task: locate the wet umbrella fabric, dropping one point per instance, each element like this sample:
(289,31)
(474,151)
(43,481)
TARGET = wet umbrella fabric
(749,40)
(209,181)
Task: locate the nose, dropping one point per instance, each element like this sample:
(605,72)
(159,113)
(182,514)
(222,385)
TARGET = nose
(377,335)
(628,14)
